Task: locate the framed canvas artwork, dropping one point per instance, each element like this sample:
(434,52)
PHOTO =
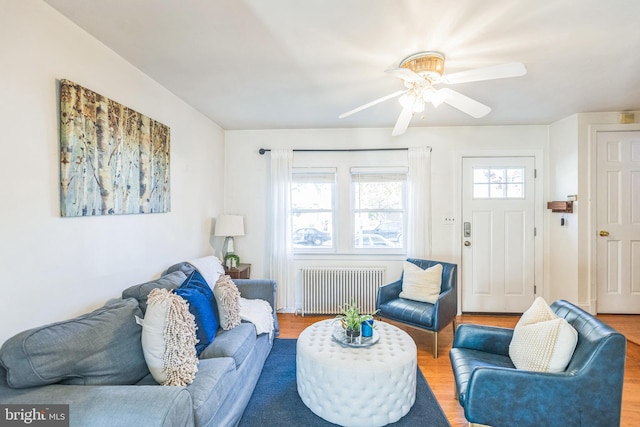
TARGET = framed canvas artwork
(113,160)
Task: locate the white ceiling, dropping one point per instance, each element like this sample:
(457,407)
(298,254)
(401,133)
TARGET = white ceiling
(285,64)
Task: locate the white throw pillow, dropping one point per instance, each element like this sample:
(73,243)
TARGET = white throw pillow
(228,300)
(169,339)
(542,341)
(421,285)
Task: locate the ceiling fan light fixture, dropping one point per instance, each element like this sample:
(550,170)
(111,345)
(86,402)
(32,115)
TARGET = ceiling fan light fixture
(429,64)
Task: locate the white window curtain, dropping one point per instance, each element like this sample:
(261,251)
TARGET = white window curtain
(418,237)
(281,248)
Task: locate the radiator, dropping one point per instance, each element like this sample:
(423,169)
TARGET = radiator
(326,289)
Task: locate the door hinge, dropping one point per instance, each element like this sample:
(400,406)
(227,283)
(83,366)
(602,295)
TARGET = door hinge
(535,289)
(535,231)
(535,173)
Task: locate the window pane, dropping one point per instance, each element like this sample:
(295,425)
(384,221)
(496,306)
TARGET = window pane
(515,175)
(480,175)
(514,191)
(496,191)
(497,175)
(378,195)
(378,230)
(311,195)
(481,191)
(312,230)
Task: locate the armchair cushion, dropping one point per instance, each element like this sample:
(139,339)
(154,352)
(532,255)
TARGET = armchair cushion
(542,341)
(421,284)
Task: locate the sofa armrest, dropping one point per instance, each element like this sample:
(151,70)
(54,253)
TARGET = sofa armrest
(264,289)
(503,396)
(388,292)
(490,339)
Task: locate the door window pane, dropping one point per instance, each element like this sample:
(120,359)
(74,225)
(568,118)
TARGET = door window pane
(498,183)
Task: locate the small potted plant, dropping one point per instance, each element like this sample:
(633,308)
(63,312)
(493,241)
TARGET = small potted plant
(352,319)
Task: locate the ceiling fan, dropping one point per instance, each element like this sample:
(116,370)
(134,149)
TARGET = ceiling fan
(422,72)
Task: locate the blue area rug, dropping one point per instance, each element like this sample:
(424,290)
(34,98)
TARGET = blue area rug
(275,400)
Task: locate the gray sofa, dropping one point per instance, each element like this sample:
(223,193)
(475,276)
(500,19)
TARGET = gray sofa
(95,364)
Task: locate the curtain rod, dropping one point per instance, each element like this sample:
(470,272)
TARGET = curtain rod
(264,150)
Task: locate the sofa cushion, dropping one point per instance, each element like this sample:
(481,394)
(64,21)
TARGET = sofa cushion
(213,383)
(228,300)
(421,285)
(236,343)
(140,292)
(542,341)
(98,348)
(169,339)
(202,304)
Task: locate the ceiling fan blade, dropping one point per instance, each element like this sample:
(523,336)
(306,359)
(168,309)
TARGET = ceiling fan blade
(405,74)
(512,69)
(464,103)
(403,122)
(372,103)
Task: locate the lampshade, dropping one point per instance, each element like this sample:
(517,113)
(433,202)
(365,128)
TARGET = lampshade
(230,225)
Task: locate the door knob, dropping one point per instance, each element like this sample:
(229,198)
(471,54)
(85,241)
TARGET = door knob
(604,233)
(467,243)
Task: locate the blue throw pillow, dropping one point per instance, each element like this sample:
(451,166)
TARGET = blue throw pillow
(202,305)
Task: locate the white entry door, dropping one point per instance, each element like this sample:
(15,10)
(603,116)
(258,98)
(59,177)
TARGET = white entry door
(498,234)
(618,221)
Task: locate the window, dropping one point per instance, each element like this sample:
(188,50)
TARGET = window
(498,183)
(312,208)
(378,207)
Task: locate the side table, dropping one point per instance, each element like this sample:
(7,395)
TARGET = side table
(242,272)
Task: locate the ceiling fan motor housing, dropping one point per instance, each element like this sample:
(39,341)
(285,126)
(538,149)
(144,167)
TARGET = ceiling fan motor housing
(428,64)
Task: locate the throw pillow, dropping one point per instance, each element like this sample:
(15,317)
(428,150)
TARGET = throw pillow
(169,339)
(421,285)
(541,340)
(228,299)
(98,348)
(199,295)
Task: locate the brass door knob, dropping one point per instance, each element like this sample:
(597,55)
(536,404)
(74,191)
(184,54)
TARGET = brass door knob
(604,233)
(467,243)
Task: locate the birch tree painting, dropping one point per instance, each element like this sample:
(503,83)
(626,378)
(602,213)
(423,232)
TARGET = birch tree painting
(113,160)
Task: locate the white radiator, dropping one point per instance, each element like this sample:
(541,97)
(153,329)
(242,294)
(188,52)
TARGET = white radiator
(326,289)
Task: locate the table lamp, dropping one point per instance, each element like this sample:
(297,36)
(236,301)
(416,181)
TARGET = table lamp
(229,226)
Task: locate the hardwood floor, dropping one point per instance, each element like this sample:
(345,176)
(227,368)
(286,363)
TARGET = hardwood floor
(440,377)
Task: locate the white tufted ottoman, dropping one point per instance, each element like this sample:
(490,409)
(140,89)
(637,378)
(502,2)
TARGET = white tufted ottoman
(364,386)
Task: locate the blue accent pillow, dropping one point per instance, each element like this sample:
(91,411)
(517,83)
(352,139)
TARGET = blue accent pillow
(197,293)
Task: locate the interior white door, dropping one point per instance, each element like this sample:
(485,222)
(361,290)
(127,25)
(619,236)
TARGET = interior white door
(618,221)
(498,234)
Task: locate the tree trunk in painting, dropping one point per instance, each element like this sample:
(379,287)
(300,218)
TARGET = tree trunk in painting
(104,156)
(145,164)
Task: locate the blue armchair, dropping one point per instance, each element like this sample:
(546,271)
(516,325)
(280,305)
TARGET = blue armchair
(422,315)
(493,392)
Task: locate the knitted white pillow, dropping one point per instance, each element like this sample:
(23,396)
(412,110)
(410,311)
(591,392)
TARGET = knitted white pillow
(169,339)
(228,300)
(421,285)
(541,340)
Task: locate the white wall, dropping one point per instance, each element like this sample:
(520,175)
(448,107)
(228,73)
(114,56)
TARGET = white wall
(53,267)
(247,173)
(561,243)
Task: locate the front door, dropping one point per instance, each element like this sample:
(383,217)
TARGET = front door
(498,234)
(618,221)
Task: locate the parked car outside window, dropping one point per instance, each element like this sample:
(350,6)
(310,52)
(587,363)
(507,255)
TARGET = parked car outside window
(372,241)
(310,236)
(390,230)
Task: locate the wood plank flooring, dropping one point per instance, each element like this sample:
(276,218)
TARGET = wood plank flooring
(440,377)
